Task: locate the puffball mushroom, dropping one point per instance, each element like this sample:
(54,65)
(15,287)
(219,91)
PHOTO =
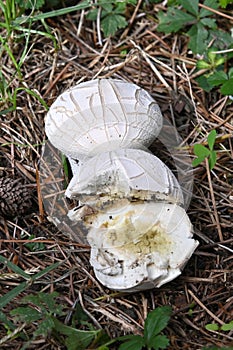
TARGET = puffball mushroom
(140,245)
(131,203)
(129,173)
(100,115)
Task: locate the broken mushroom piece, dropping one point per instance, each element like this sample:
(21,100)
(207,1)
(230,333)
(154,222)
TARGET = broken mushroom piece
(140,246)
(100,115)
(131,203)
(124,173)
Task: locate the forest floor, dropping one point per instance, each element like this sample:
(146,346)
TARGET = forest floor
(164,66)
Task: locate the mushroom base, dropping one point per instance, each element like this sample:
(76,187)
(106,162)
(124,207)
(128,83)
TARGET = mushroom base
(139,245)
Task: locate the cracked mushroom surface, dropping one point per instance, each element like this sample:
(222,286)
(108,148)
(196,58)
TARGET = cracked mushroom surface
(100,115)
(131,203)
(124,173)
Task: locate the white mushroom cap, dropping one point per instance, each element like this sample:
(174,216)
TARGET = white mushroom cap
(124,173)
(100,115)
(140,246)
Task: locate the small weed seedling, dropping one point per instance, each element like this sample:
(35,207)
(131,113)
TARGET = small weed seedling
(43,310)
(206,39)
(111,14)
(224,3)
(215,74)
(155,322)
(202,27)
(202,152)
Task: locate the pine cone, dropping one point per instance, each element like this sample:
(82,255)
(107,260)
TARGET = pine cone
(15,198)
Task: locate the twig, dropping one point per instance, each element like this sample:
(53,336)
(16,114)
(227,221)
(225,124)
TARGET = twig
(216,11)
(213,201)
(82,14)
(12,334)
(154,69)
(87,312)
(205,308)
(100,42)
(39,195)
(131,20)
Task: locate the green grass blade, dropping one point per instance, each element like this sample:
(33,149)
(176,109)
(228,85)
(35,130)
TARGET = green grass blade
(4,320)
(45,271)
(34,94)
(14,268)
(55,13)
(24,285)
(39,32)
(12,294)
(9,52)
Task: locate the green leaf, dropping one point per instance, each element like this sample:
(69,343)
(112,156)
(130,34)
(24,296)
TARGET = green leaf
(28,4)
(227,87)
(156,321)
(34,246)
(230,73)
(92,14)
(211,139)
(159,342)
(45,327)
(222,40)
(197,161)
(201,151)
(173,20)
(198,36)
(227,326)
(26,314)
(136,343)
(217,78)
(201,64)
(212,327)
(111,23)
(190,5)
(106,5)
(224,3)
(120,7)
(204,83)
(212,159)
(219,61)
(76,339)
(49,300)
(211,4)
(45,301)
(211,56)
(209,22)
